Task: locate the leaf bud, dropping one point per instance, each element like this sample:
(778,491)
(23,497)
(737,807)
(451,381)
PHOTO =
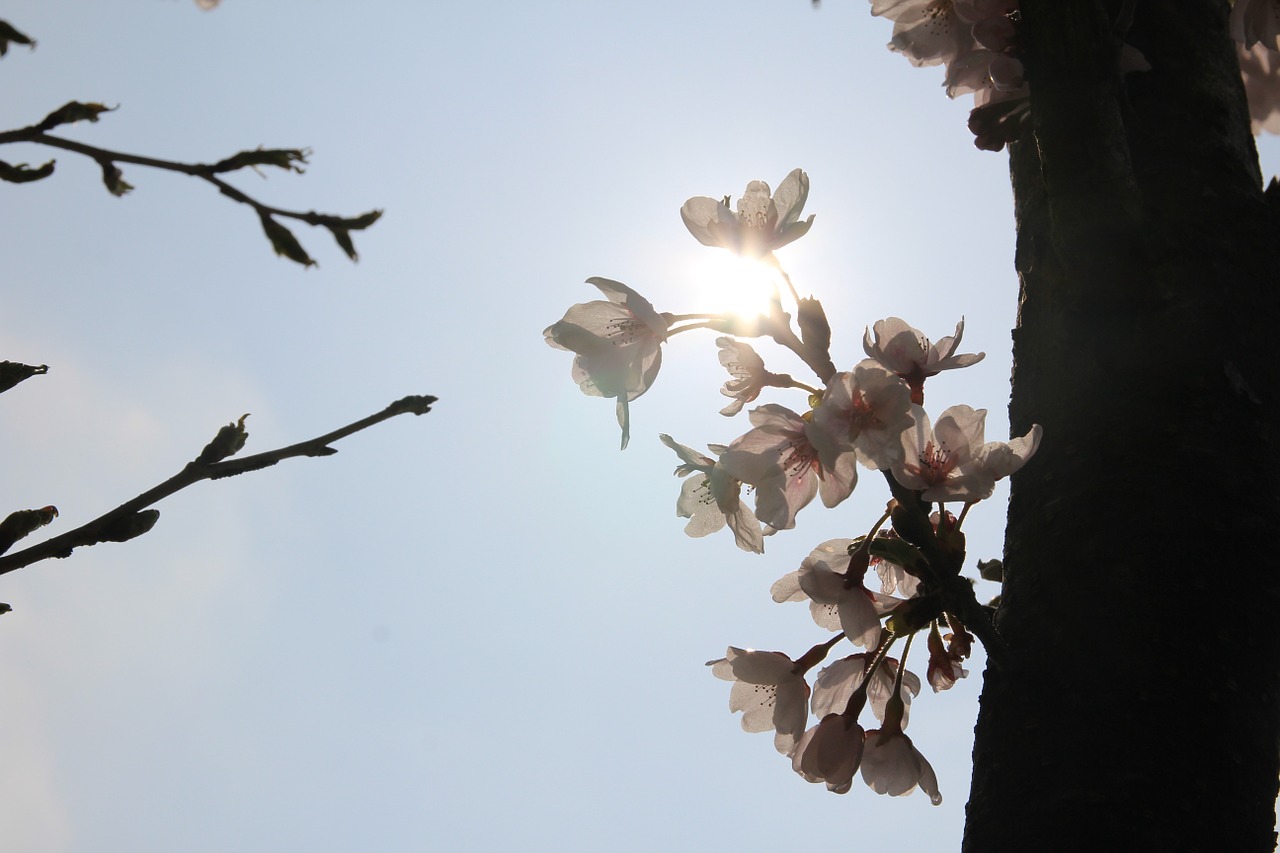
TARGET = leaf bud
(227,442)
(283,241)
(130,526)
(12,372)
(281,158)
(113,178)
(22,523)
(9,34)
(991,570)
(24,174)
(72,112)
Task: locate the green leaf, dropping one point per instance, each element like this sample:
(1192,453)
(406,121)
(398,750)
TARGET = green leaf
(283,241)
(991,570)
(24,174)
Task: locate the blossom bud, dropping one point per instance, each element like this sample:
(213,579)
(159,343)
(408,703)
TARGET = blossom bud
(913,614)
(815,331)
(912,524)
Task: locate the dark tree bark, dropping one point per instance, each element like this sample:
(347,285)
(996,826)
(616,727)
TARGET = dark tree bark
(1140,710)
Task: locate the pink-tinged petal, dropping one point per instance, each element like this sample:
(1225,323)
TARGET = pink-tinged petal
(699,214)
(777,458)
(637,305)
(1001,459)
(748,372)
(787,588)
(763,221)
(768,692)
(830,752)
(692,459)
(935,36)
(760,667)
(695,503)
(791,196)
(835,684)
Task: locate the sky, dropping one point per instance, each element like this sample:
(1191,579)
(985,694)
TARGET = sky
(482,629)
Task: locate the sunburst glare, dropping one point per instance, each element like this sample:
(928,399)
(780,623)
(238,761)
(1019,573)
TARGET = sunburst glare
(731,284)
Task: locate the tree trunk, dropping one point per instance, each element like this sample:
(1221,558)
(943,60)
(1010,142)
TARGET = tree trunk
(1141,708)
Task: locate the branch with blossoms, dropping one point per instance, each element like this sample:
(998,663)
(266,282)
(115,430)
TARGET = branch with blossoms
(869,416)
(980,45)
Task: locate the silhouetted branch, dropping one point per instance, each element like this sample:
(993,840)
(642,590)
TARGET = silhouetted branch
(289,159)
(133,518)
(12,372)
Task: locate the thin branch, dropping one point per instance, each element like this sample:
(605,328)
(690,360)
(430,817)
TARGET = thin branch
(282,240)
(133,517)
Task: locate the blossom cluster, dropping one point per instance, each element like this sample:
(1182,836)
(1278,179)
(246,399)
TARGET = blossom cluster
(977,43)
(1255,26)
(869,416)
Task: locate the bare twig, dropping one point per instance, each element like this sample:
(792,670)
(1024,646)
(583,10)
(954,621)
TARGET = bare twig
(282,240)
(133,518)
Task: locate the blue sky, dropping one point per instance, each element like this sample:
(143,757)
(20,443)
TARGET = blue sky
(482,629)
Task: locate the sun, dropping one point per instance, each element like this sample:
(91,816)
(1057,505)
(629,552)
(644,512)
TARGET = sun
(735,285)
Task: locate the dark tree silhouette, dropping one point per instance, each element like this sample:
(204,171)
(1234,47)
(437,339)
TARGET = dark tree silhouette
(1139,707)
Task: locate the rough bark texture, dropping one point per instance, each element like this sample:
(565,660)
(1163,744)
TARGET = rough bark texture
(1141,710)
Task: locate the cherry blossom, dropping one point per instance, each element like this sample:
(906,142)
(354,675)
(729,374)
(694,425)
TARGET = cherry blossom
(944,662)
(1260,68)
(864,412)
(1256,22)
(950,461)
(830,752)
(770,691)
(908,353)
(617,345)
(747,369)
(778,457)
(839,601)
(836,683)
(890,762)
(893,577)
(711,498)
(927,32)
(765,221)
